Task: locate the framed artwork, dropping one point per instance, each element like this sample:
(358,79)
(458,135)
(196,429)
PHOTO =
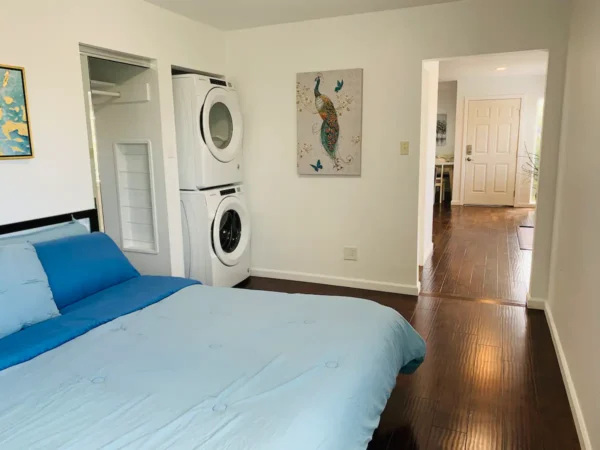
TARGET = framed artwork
(441,129)
(329,122)
(15,133)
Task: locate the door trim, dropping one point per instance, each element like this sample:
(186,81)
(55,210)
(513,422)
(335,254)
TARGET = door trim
(459,151)
(116,56)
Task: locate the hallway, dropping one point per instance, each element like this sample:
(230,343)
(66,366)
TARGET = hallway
(476,254)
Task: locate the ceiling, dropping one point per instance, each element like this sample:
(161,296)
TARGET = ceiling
(237,14)
(517,63)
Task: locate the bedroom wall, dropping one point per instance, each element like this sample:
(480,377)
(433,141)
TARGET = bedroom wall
(447,92)
(301,224)
(574,303)
(43,37)
(532,88)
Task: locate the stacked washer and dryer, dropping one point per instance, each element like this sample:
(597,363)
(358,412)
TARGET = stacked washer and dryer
(216,224)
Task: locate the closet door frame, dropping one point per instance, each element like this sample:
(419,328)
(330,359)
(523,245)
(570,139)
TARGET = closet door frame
(92,145)
(111,55)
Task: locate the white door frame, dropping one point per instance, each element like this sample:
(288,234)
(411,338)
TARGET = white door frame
(459,152)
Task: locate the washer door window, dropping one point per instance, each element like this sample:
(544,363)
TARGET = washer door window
(230,231)
(221,124)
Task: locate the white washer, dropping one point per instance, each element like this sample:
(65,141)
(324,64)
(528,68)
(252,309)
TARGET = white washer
(216,236)
(209,132)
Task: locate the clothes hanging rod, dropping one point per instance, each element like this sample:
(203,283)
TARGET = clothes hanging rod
(105,93)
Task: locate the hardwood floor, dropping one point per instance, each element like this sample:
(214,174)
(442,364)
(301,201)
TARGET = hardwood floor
(490,379)
(477,255)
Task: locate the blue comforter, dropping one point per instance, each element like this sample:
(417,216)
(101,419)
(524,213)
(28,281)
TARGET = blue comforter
(87,314)
(214,369)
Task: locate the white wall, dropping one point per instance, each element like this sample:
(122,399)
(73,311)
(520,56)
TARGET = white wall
(447,92)
(574,301)
(532,88)
(301,224)
(46,37)
(429,109)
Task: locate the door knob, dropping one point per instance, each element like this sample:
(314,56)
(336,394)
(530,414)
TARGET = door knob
(469,158)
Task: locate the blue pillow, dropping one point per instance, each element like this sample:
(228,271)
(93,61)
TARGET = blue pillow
(80,266)
(25,297)
(48,233)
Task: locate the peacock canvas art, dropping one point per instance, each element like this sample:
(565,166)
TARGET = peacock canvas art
(329,122)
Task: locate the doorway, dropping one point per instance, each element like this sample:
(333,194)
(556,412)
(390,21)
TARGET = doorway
(487,134)
(124,128)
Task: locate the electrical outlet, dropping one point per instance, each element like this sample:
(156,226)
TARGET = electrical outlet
(404,147)
(350,253)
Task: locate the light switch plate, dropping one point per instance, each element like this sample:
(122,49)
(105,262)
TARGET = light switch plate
(350,253)
(404,148)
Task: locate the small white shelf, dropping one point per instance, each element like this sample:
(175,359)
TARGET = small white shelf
(105,93)
(135,187)
(101,84)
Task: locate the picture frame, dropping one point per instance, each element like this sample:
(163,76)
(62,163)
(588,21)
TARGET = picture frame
(441,130)
(329,122)
(15,127)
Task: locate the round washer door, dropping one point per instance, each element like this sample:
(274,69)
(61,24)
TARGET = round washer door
(221,124)
(230,231)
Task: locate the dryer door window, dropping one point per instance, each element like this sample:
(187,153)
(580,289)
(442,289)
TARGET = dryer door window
(221,124)
(230,230)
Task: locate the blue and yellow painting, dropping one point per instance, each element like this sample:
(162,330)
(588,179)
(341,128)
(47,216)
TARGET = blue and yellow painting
(15,136)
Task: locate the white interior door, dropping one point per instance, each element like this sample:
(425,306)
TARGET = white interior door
(491,151)
(130,162)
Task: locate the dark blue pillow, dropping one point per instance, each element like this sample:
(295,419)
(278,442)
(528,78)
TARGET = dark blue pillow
(79,266)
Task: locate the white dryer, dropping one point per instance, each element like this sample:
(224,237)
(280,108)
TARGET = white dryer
(216,236)
(209,132)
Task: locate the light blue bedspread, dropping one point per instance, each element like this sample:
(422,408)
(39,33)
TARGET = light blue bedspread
(215,369)
(87,314)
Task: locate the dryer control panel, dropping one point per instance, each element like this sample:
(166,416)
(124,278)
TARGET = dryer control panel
(230,191)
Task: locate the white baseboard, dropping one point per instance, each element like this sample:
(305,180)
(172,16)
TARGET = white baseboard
(337,281)
(584,437)
(455,203)
(536,303)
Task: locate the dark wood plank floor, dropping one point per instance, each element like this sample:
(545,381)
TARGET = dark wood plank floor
(490,380)
(477,255)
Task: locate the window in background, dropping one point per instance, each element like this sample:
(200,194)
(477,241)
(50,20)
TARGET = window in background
(534,158)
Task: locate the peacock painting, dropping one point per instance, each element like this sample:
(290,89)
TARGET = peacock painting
(330,128)
(329,113)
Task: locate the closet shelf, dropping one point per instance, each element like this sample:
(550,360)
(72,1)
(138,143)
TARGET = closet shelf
(105,93)
(101,84)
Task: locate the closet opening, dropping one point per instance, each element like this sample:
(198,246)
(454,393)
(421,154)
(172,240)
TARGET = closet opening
(124,129)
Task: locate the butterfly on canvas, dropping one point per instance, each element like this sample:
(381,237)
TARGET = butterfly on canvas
(318,167)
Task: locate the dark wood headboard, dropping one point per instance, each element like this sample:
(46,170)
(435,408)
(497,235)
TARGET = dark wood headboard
(91,214)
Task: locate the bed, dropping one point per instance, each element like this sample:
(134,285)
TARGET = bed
(162,362)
